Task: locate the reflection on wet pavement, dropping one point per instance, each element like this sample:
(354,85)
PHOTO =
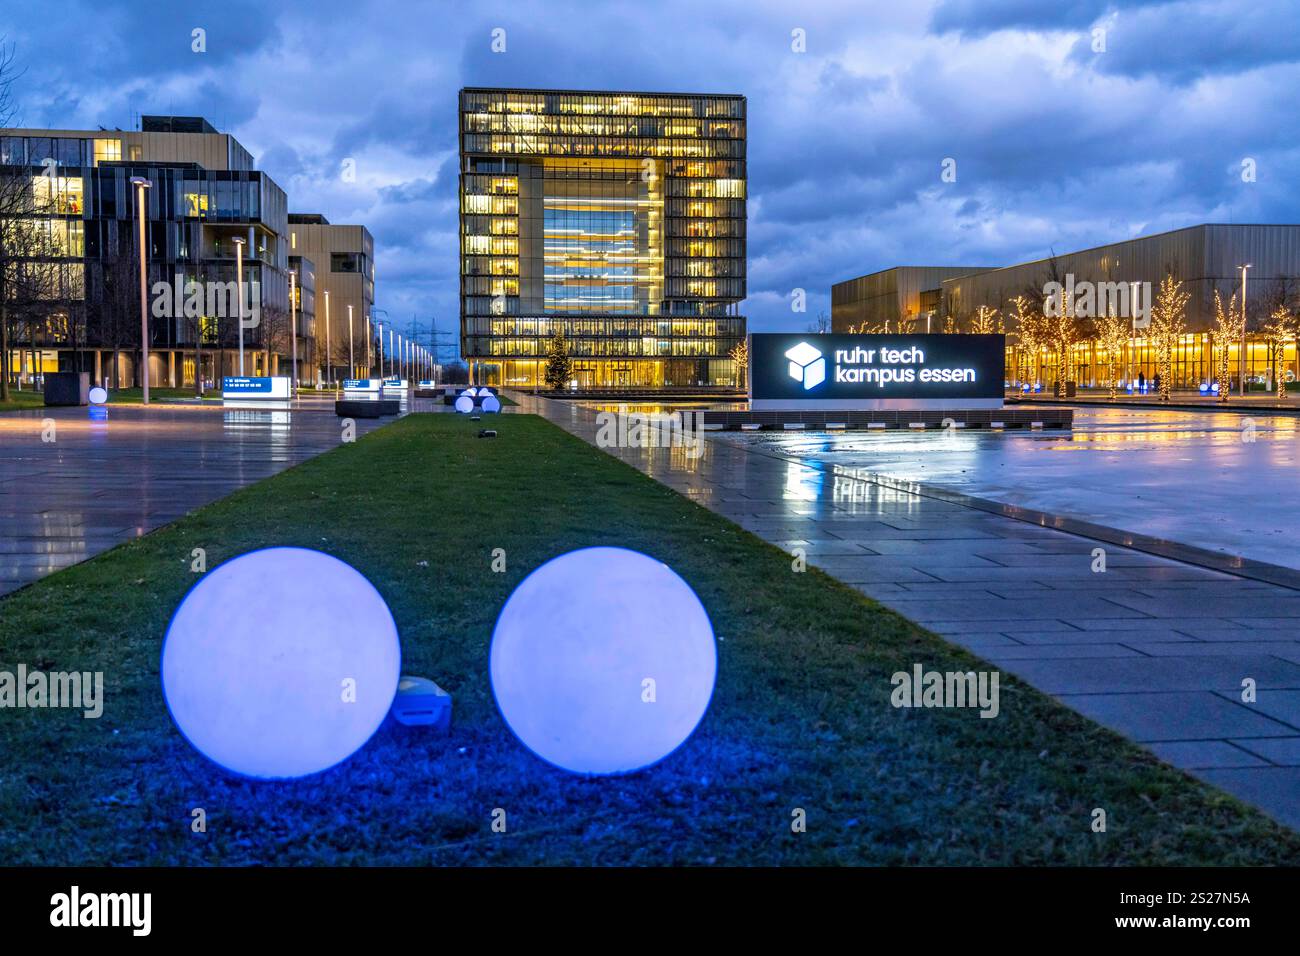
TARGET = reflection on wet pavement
(1225,482)
(99,483)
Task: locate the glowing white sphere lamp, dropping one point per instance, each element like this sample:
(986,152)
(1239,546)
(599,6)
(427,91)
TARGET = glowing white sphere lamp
(280,663)
(471,391)
(464,404)
(491,404)
(98,395)
(603,661)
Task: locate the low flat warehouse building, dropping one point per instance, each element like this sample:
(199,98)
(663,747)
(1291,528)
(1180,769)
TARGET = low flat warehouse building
(1206,258)
(880,301)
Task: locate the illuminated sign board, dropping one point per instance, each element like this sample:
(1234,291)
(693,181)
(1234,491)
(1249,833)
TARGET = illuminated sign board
(791,371)
(254,388)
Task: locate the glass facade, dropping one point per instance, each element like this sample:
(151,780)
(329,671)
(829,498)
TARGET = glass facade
(617,219)
(82,232)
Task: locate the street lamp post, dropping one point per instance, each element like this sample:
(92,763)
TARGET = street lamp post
(239,291)
(1241,357)
(352,362)
(293,329)
(141,184)
(329,357)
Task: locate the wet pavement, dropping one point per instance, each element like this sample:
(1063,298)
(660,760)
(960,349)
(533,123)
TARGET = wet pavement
(1157,649)
(99,483)
(1220,481)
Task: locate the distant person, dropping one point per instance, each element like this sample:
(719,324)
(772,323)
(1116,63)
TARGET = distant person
(1142,381)
(1155,382)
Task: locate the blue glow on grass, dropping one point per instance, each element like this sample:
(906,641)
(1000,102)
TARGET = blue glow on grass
(280,663)
(574,646)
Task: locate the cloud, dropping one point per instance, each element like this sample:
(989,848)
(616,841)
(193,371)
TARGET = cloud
(1056,146)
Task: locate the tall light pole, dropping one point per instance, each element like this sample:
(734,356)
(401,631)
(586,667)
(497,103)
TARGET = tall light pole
(370,365)
(329,370)
(293,328)
(239,287)
(1241,357)
(141,184)
(352,362)
(390,348)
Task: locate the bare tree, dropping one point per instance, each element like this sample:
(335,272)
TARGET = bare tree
(115,298)
(276,333)
(17,202)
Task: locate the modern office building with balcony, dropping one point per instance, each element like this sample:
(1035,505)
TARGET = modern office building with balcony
(614,219)
(344,265)
(205,194)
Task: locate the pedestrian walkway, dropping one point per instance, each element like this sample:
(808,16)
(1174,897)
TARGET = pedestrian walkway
(1153,648)
(83,486)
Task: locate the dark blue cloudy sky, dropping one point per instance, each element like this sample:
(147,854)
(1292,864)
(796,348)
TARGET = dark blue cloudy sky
(1058,147)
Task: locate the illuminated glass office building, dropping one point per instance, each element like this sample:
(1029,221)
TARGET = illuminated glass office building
(616,219)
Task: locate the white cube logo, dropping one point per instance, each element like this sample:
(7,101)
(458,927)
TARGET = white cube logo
(806,365)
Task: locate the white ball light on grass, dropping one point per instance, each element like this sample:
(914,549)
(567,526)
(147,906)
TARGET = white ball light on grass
(603,661)
(281,663)
(98,395)
(464,404)
(491,404)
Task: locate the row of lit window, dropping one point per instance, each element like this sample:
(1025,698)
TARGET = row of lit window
(601,146)
(706,248)
(46,281)
(602,126)
(600,104)
(494,205)
(500,176)
(58,195)
(490,185)
(490,245)
(707,188)
(705,288)
(487,266)
(706,208)
(706,268)
(649,348)
(69,151)
(619,327)
(49,237)
(705,228)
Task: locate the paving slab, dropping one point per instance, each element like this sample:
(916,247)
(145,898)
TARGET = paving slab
(1138,648)
(100,483)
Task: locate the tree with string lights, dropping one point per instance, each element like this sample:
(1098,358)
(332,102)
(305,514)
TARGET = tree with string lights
(559,367)
(1229,325)
(987,321)
(1277,333)
(1113,335)
(1027,326)
(1167,328)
